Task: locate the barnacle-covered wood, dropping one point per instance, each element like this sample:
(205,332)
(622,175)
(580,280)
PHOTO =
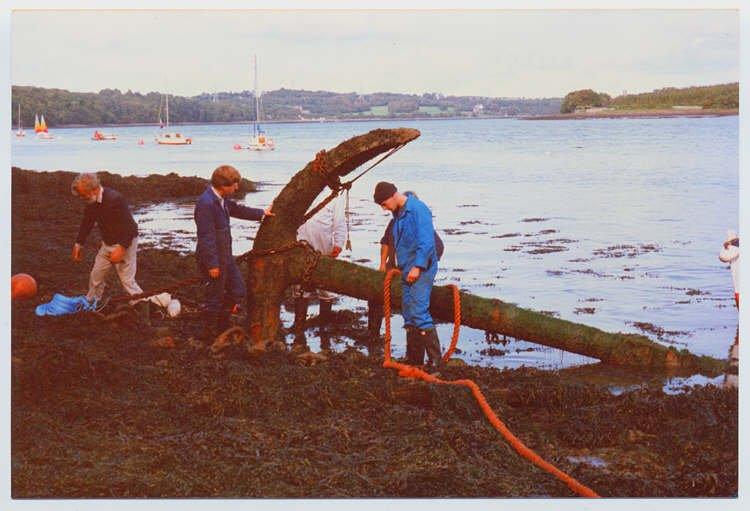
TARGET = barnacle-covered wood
(497,316)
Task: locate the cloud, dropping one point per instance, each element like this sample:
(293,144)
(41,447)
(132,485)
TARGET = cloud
(497,53)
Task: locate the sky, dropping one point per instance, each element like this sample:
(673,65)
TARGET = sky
(498,53)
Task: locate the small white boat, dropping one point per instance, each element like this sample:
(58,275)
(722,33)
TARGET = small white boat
(259,141)
(20,132)
(173,139)
(99,136)
(168,138)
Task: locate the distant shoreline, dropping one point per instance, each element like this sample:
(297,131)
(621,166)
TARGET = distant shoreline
(290,121)
(614,114)
(633,114)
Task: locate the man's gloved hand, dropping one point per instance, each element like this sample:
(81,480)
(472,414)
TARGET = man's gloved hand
(77,251)
(117,254)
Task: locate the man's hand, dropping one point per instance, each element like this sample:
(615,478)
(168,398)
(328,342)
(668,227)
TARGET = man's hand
(413,275)
(381,267)
(268,212)
(213,273)
(117,254)
(336,251)
(76,254)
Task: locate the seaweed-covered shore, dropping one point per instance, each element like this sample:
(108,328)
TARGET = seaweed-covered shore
(101,410)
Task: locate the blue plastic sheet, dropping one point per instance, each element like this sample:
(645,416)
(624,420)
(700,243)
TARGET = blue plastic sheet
(61,305)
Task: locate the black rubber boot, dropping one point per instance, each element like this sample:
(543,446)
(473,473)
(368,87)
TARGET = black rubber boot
(431,345)
(300,316)
(209,333)
(223,320)
(414,347)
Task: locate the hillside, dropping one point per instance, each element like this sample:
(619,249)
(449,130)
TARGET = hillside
(111,106)
(723,96)
(711,96)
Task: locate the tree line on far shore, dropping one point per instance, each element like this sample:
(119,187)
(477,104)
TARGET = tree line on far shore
(111,106)
(723,96)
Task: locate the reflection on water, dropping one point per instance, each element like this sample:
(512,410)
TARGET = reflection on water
(593,461)
(621,380)
(612,223)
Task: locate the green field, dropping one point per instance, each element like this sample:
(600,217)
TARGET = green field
(377,110)
(430,110)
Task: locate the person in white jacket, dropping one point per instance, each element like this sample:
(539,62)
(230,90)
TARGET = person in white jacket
(730,253)
(326,232)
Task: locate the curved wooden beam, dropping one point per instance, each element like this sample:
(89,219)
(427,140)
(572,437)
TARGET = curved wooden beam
(297,196)
(269,276)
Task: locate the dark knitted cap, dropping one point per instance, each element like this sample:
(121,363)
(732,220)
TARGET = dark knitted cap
(383,190)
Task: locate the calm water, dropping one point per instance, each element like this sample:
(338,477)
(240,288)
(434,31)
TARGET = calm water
(612,223)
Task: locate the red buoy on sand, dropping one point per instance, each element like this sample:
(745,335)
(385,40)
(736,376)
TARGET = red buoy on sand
(22,286)
(140,142)
(237,147)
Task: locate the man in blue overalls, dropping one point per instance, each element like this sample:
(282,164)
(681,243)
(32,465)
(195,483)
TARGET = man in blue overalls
(225,286)
(416,257)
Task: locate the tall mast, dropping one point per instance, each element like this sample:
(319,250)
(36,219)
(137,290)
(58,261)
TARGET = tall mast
(167,109)
(255,93)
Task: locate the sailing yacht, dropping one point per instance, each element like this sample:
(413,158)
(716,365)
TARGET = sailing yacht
(20,132)
(259,141)
(40,128)
(167,138)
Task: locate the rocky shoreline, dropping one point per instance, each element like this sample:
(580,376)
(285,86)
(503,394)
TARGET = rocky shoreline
(103,409)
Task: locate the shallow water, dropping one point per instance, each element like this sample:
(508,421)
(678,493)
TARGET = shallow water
(612,223)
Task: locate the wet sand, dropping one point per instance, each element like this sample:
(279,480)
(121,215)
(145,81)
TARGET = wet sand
(101,410)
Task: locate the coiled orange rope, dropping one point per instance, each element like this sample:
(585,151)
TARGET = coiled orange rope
(407,371)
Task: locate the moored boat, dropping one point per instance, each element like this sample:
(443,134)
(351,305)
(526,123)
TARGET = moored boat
(259,140)
(20,132)
(40,127)
(169,138)
(98,136)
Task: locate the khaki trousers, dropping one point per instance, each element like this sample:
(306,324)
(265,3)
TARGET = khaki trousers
(125,270)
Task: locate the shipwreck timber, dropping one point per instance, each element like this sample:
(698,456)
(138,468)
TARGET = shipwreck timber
(277,262)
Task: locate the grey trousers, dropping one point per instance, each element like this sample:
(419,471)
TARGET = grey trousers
(125,270)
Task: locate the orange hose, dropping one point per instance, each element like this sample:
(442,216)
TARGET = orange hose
(407,371)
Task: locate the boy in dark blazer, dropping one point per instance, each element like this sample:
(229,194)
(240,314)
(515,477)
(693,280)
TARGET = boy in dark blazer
(225,286)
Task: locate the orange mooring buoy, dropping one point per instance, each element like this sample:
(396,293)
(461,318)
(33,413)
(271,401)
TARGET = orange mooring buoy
(22,286)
